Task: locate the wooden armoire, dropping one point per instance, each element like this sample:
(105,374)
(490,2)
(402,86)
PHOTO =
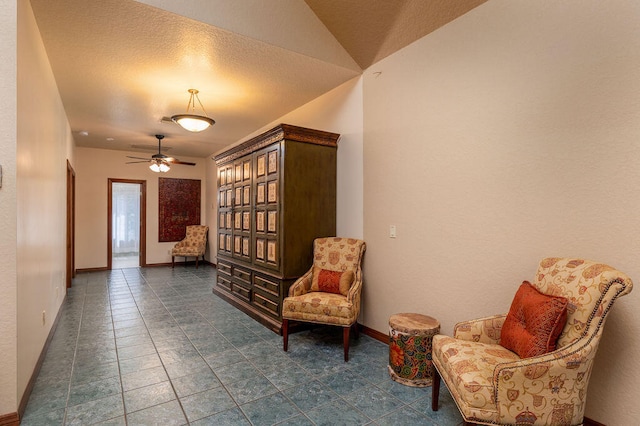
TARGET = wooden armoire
(276,194)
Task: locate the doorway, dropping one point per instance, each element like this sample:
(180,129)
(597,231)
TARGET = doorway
(127,224)
(71,225)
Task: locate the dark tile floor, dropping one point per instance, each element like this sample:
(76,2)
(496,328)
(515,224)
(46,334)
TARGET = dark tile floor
(154,346)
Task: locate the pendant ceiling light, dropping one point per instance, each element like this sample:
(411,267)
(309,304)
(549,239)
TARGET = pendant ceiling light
(190,121)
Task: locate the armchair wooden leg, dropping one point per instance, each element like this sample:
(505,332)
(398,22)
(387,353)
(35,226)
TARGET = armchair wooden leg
(345,339)
(173,261)
(197,262)
(285,334)
(435,390)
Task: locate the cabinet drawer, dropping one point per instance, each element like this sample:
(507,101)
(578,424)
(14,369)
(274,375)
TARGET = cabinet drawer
(242,275)
(223,268)
(272,287)
(241,292)
(265,304)
(223,282)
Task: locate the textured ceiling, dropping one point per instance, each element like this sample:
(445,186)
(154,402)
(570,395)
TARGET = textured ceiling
(123,65)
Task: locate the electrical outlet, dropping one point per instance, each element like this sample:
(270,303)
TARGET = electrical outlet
(392,231)
(44,317)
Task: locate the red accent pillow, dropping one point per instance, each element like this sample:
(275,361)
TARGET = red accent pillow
(534,322)
(338,282)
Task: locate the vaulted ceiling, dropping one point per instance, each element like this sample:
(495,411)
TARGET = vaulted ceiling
(121,66)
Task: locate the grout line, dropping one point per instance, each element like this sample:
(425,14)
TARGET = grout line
(75,351)
(115,343)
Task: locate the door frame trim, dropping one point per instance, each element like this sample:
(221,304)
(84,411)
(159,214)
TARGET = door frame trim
(71,225)
(143,219)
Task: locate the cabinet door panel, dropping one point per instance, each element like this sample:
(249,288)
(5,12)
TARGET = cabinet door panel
(272,191)
(272,221)
(267,198)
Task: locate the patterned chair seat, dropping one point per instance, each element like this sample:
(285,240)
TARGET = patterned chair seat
(472,364)
(326,307)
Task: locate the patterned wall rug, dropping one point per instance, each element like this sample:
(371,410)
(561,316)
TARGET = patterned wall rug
(179,206)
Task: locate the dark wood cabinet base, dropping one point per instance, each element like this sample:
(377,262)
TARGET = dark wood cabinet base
(269,322)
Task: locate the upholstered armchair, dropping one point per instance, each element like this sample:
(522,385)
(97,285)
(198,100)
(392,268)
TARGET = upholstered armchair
(194,244)
(494,385)
(329,292)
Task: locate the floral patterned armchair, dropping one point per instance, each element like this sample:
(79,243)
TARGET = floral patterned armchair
(329,293)
(492,385)
(193,244)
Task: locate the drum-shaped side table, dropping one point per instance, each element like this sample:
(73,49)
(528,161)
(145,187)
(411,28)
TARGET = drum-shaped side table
(410,338)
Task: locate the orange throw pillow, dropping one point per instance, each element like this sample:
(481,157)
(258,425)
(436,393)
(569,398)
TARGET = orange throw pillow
(534,322)
(331,281)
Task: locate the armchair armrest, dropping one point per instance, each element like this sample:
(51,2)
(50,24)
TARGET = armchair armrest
(561,375)
(354,292)
(353,295)
(302,285)
(482,330)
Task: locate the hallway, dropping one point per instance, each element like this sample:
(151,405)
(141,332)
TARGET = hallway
(145,346)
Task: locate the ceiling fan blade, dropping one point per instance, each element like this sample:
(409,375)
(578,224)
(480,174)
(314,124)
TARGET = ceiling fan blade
(159,158)
(184,163)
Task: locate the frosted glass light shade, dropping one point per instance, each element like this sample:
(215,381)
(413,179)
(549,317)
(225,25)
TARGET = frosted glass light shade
(160,167)
(193,123)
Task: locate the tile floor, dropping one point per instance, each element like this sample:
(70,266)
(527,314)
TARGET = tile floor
(154,346)
(119,262)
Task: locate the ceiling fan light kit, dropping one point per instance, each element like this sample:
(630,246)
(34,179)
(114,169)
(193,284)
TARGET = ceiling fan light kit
(160,167)
(193,122)
(160,162)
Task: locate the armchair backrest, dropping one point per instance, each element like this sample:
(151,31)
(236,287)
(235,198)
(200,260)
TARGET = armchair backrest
(590,287)
(196,235)
(339,254)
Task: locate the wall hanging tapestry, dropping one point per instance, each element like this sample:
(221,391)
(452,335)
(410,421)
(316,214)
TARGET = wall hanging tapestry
(179,206)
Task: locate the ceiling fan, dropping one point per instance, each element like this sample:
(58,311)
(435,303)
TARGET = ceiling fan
(159,162)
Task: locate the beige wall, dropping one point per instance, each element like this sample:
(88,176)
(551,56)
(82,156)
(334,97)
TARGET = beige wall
(8,196)
(44,144)
(510,134)
(94,168)
(338,111)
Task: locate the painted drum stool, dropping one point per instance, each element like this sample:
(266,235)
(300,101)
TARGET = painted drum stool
(410,348)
